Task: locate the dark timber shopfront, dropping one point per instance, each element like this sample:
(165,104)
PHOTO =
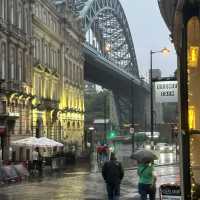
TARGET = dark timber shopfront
(189,79)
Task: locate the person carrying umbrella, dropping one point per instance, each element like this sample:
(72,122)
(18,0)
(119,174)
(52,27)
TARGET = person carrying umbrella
(145,171)
(147,180)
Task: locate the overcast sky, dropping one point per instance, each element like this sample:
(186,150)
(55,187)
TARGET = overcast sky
(149,32)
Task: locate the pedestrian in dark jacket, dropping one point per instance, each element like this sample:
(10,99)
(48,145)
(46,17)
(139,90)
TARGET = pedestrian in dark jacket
(113,172)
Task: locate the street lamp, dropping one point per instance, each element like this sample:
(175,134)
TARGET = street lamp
(164,51)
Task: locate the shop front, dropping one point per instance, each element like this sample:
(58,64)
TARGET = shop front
(2,141)
(7,124)
(190,100)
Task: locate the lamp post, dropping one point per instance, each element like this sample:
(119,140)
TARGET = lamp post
(91,139)
(132,120)
(105,120)
(164,51)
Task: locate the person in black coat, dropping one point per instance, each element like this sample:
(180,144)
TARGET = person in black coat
(113,173)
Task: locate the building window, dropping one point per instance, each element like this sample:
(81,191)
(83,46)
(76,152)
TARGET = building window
(12,21)
(37,49)
(3,8)
(26,19)
(45,54)
(51,58)
(54,60)
(20,15)
(20,66)
(74,73)
(12,63)
(59,61)
(66,68)
(3,61)
(70,70)
(45,17)
(34,48)
(26,64)
(37,9)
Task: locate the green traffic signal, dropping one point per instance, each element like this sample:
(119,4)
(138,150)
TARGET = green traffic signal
(112,134)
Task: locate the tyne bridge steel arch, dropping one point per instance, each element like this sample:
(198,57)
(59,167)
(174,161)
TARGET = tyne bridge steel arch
(107,31)
(107,20)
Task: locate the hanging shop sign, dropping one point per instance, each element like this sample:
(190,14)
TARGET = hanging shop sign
(166,91)
(13,114)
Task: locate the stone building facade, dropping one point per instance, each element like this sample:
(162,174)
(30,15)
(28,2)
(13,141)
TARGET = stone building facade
(15,71)
(41,73)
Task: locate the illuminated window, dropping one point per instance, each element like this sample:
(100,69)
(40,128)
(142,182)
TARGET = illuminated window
(191,117)
(193,45)
(193,53)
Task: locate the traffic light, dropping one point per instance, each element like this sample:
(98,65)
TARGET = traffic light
(111,134)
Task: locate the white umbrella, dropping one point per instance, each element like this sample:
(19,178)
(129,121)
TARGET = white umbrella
(26,142)
(36,142)
(49,143)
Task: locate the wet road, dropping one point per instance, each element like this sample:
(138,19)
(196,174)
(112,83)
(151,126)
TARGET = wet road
(80,185)
(84,183)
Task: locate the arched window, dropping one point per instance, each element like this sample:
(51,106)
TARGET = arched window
(37,48)
(73,125)
(20,66)
(24,71)
(3,61)
(3,9)
(54,60)
(12,63)
(45,54)
(78,125)
(26,20)
(68,125)
(51,58)
(12,21)
(20,15)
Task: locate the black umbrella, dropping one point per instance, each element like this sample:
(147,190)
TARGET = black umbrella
(144,156)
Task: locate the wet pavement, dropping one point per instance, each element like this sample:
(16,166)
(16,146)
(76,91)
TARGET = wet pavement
(84,181)
(80,185)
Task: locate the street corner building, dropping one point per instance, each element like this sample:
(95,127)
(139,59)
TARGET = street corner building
(41,74)
(183,20)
